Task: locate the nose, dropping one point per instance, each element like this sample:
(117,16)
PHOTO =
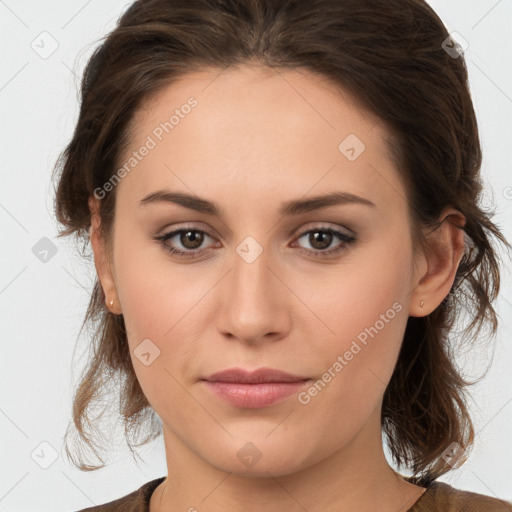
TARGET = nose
(254,301)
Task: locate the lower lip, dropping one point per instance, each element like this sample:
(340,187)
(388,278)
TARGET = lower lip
(254,396)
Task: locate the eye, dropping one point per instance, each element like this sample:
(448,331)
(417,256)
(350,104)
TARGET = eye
(320,238)
(191,239)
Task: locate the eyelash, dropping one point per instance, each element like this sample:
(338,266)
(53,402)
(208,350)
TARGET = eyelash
(346,239)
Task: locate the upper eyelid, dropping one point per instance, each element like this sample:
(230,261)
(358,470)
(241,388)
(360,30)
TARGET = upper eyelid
(296,233)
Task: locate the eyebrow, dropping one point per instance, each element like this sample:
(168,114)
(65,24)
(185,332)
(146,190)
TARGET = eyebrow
(289,208)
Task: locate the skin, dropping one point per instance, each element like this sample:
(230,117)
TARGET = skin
(257,138)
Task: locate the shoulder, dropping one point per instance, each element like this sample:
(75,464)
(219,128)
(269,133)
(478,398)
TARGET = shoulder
(444,498)
(136,501)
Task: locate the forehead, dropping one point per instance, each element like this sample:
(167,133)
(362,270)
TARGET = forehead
(256,96)
(249,127)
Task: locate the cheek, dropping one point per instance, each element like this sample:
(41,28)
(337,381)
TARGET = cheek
(155,293)
(365,308)
(157,300)
(365,285)
(354,369)
(156,318)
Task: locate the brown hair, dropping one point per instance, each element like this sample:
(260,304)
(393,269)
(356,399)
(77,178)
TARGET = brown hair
(388,54)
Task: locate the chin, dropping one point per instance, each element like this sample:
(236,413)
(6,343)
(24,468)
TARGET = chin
(260,458)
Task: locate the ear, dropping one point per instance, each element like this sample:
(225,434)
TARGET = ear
(101,259)
(445,249)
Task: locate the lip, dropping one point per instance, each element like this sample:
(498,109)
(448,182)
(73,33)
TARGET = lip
(254,389)
(258,376)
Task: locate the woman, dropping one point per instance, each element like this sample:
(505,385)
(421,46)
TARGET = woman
(282,198)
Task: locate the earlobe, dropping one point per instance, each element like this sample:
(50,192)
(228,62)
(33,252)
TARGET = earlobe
(101,260)
(445,249)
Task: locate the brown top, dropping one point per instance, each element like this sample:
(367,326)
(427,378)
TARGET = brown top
(439,497)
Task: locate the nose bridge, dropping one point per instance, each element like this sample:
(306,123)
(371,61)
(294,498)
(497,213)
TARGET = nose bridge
(251,275)
(252,305)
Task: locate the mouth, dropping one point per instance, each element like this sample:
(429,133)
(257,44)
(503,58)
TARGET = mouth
(254,389)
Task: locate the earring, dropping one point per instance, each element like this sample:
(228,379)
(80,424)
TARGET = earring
(421,303)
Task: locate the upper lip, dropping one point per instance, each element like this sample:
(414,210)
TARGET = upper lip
(252,377)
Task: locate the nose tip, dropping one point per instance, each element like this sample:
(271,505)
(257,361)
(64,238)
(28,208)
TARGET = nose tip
(252,305)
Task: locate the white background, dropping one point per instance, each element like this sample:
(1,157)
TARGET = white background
(42,304)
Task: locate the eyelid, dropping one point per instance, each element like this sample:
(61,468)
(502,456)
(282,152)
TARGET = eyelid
(296,233)
(322,225)
(345,240)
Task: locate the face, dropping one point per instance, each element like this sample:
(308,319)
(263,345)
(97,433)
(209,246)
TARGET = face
(322,294)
